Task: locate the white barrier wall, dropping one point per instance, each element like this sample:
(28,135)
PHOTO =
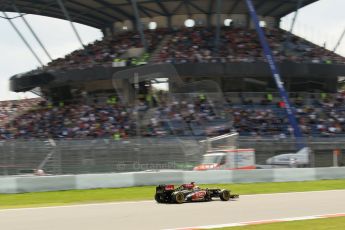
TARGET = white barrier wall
(329,173)
(155,178)
(8,185)
(295,174)
(117,180)
(45,183)
(208,177)
(111,180)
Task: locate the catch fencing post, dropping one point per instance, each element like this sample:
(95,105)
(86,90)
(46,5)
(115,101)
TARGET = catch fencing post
(336,153)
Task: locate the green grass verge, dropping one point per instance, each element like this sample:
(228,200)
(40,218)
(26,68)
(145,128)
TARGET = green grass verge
(147,192)
(335,223)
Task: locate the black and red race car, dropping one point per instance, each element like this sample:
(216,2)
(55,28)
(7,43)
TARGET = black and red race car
(190,193)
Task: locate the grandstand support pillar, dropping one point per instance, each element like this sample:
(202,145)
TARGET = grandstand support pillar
(219,7)
(300,142)
(139,24)
(288,39)
(169,20)
(136,98)
(127,92)
(65,12)
(124,90)
(32,31)
(277,23)
(299,4)
(248,21)
(104,32)
(23,39)
(108,32)
(339,41)
(209,20)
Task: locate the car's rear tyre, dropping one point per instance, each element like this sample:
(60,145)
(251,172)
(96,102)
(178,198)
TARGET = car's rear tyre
(178,197)
(158,198)
(224,195)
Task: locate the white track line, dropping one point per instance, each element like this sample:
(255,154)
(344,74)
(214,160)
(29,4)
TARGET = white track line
(77,205)
(148,201)
(261,222)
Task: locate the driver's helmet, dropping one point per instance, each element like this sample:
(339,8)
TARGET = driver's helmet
(194,186)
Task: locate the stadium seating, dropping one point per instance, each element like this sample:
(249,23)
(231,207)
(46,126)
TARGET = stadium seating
(240,45)
(197,45)
(11,109)
(254,116)
(107,51)
(321,117)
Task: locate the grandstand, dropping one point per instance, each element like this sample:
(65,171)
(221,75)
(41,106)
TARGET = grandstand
(202,40)
(228,53)
(225,47)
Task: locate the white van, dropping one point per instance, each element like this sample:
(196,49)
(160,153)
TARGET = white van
(228,159)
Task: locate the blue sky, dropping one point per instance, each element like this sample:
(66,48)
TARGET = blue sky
(320,22)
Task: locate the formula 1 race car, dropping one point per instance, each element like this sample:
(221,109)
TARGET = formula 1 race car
(190,193)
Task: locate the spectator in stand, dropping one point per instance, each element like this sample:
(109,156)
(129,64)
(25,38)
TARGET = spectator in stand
(105,51)
(194,116)
(240,45)
(197,45)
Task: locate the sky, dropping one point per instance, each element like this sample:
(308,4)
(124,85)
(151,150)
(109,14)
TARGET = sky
(321,23)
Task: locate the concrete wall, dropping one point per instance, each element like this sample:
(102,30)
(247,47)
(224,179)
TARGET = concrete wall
(111,180)
(8,185)
(116,180)
(45,183)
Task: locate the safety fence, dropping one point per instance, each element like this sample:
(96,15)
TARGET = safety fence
(97,156)
(135,155)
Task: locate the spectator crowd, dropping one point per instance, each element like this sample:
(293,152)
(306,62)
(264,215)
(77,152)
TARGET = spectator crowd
(35,118)
(11,109)
(197,45)
(106,51)
(195,116)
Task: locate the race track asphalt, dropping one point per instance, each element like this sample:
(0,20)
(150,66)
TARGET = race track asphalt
(150,215)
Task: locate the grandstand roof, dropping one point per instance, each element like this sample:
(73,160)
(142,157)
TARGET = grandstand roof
(101,13)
